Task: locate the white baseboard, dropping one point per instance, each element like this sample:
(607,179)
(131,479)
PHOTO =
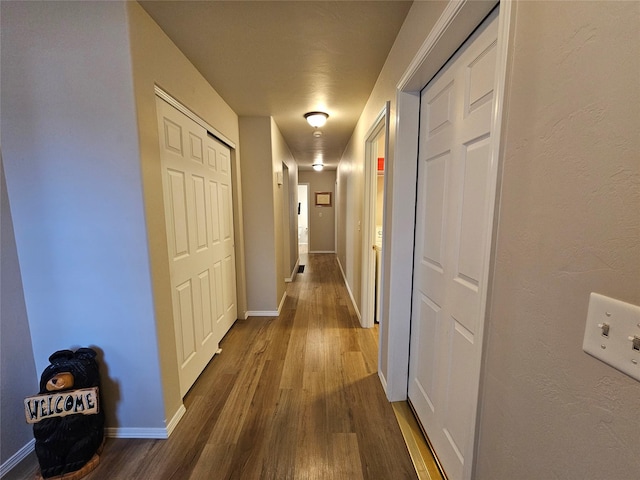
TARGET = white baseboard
(179,414)
(118,432)
(284,297)
(17,457)
(268,313)
(294,273)
(353,302)
(158,433)
(383,380)
(262,313)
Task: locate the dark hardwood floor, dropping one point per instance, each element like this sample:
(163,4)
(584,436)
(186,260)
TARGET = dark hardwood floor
(292,397)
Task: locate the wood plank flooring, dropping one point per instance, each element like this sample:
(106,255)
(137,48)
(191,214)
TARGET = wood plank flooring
(293,397)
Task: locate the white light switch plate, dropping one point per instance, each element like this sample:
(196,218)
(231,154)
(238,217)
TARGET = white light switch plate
(616,348)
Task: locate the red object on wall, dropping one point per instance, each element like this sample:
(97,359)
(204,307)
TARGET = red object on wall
(381,164)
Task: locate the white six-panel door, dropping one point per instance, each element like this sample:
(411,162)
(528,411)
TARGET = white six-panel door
(196,172)
(453,225)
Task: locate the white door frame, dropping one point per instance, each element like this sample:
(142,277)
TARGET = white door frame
(455,24)
(380,124)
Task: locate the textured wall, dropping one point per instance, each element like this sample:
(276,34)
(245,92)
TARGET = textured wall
(569,225)
(71,158)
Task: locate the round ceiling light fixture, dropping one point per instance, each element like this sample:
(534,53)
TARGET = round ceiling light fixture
(317,133)
(318,167)
(316,119)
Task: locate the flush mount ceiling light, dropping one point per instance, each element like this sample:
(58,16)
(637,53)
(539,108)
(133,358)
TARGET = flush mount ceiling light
(317,133)
(318,167)
(316,119)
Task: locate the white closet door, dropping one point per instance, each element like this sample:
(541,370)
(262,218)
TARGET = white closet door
(199,219)
(453,227)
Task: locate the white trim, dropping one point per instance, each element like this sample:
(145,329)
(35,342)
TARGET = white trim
(294,273)
(323,251)
(383,380)
(346,284)
(268,313)
(457,21)
(155,433)
(180,413)
(284,297)
(17,457)
(158,433)
(262,313)
(193,116)
(399,277)
(412,73)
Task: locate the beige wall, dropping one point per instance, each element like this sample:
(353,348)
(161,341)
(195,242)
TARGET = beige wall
(280,154)
(285,207)
(569,225)
(156,60)
(321,219)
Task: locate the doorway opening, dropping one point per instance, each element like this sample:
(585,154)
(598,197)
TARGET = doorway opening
(303,218)
(376,151)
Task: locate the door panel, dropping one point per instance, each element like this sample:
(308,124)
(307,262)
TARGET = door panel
(185,325)
(432,209)
(205,305)
(200,212)
(178,237)
(454,168)
(199,217)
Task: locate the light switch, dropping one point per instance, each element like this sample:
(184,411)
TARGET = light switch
(612,333)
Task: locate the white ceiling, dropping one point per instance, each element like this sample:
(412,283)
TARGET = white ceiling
(286,58)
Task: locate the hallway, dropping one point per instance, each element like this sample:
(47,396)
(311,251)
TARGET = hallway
(293,397)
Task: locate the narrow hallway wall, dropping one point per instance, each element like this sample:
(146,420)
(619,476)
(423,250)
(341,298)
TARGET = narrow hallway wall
(71,157)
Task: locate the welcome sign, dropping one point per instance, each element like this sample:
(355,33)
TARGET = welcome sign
(60,404)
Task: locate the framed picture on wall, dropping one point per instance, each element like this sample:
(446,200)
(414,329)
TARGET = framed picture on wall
(323,199)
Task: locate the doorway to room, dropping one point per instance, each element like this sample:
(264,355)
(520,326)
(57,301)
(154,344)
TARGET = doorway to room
(303,218)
